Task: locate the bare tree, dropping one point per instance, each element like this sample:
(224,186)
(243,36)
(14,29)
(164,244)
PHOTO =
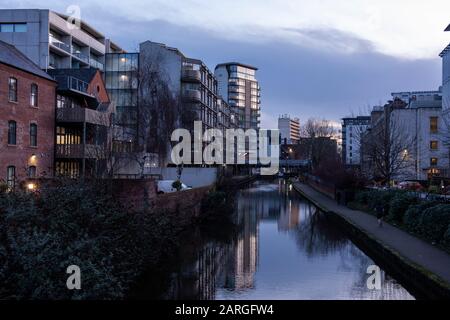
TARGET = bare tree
(317,135)
(388,149)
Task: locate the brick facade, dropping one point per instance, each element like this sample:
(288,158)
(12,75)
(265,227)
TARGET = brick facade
(22,155)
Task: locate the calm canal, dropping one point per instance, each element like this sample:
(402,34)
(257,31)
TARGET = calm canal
(282,247)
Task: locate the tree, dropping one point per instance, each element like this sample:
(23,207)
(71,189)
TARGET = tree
(388,148)
(318,137)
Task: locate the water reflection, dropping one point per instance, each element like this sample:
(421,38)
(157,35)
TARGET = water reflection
(283,248)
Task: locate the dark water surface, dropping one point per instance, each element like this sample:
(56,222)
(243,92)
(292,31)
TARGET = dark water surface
(281,248)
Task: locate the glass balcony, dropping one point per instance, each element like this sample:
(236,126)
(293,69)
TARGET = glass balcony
(59,44)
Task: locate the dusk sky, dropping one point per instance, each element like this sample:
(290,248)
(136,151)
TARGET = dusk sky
(324,59)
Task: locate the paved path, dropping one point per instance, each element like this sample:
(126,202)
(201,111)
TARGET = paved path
(412,248)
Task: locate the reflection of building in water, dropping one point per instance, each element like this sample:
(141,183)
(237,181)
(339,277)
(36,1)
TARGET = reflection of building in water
(197,280)
(289,215)
(243,260)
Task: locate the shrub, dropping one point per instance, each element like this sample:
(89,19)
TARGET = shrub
(398,206)
(362,197)
(435,222)
(413,216)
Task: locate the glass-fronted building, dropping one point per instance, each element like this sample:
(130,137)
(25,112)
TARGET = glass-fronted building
(237,84)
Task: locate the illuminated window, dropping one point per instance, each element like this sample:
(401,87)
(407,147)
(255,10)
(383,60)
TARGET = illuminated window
(433,124)
(433,161)
(433,145)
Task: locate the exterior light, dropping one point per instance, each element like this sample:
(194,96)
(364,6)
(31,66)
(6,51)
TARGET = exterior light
(123,59)
(33,159)
(31,186)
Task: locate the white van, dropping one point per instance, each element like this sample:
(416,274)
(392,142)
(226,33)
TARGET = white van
(165,186)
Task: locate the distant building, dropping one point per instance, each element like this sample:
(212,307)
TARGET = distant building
(84,129)
(27,104)
(289,129)
(352,130)
(51,41)
(237,84)
(409,96)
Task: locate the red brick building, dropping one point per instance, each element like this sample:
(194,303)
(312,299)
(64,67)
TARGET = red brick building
(27,118)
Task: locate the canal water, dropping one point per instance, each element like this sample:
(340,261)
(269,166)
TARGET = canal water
(281,247)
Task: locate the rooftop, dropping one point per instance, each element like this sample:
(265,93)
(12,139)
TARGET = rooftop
(236,64)
(11,56)
(448,28)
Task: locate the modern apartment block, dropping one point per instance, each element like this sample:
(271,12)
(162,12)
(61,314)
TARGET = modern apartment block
(53,41)
(84,118)
(445,55)
(352,130)
(289,129)
(237,84)
(27,104)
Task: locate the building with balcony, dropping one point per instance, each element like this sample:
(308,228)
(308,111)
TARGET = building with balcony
(27,104)
(52,41)
(187,78)
(352,130)
(84,123)
(289,129)
(237,84)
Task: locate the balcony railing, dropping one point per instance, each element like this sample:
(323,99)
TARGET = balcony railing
(192,95)
(94,63)
(191,75)
(59,44)
(72,83)
(79,115)
(79,151)
(80,56)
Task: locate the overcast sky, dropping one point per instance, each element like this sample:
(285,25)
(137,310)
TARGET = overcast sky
(325,59)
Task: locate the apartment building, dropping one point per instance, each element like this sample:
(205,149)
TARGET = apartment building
(27,104)
(84,124)
(352,130)
(289,129)
(53,41)
(237,84)
(416,134)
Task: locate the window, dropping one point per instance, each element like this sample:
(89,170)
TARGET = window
(13,27)
(33,135)
(433,124)
(433,161)
(34,95)
(12,128)
(32,172)
(13,89)
(11,177)
(433,145)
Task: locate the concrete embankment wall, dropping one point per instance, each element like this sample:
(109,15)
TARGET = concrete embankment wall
(420,282)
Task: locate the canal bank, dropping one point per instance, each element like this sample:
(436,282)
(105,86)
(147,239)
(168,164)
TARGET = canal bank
(424,269)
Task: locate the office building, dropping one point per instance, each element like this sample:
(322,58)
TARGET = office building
(237,84)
